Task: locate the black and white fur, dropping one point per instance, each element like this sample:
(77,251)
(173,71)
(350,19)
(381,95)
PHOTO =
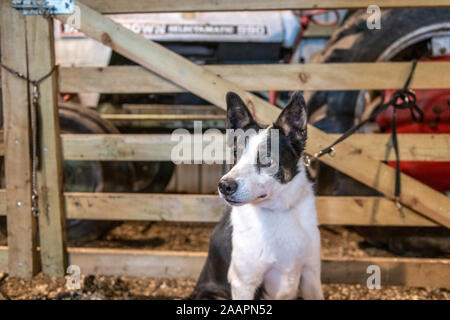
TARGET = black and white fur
(268,246)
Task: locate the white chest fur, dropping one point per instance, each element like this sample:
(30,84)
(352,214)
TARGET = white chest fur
(271,245)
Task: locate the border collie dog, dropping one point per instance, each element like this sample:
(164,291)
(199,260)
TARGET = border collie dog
(268,245)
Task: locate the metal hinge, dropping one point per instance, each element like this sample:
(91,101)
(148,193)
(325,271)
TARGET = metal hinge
(44,6)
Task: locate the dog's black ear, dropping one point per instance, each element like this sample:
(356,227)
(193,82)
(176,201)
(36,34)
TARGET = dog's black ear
(238,115)
(293,120)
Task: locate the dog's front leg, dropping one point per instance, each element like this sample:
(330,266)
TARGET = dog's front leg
(243,282)
(310,284)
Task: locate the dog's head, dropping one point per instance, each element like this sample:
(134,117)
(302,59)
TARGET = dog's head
(266,158)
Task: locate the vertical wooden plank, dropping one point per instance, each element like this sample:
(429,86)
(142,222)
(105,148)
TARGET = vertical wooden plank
(172,185)
(188,178)
(22,254)
(3,259)
(210,176)
(41,60)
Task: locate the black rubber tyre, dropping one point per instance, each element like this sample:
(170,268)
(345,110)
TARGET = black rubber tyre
(152,177)
(354,42)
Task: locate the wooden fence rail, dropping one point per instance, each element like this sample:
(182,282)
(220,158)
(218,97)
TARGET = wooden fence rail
(280,77)
(182,264)
(364,211)
(158,147)
(330,76)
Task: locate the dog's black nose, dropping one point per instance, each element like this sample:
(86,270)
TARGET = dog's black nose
(228,186)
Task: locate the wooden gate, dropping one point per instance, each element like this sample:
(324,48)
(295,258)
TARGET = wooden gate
(27,47)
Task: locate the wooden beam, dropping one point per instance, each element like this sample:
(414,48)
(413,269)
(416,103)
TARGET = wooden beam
(158,147)
(145,207)
(3,202)
(117,147)
(2,143)
(412,147)
(21,223)
(320,31)
(52,230)
(142,6)
(373,211)
(161,117)
(420,272)
(172,109)
(414,272)
(281,77)
(183,264)
(3,259)
(207,85)
(166,121)
(363,211)
(138,263)
(367,211)
(167,124)
(168,116)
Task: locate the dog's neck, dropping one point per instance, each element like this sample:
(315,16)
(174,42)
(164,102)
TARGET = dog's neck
(288,196)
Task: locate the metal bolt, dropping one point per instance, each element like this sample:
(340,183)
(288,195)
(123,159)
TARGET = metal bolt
(19,203)
(16,141)
(45,149)
(332,152)
(20,264)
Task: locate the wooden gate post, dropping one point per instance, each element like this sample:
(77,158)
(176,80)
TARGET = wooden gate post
(22,254)
(52,230)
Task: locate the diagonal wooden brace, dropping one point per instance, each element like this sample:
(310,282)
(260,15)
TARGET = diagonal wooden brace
(350,160)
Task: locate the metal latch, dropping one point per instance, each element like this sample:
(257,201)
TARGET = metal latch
(44,6)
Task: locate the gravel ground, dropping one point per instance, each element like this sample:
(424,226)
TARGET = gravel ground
(112,288)
(336,241)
